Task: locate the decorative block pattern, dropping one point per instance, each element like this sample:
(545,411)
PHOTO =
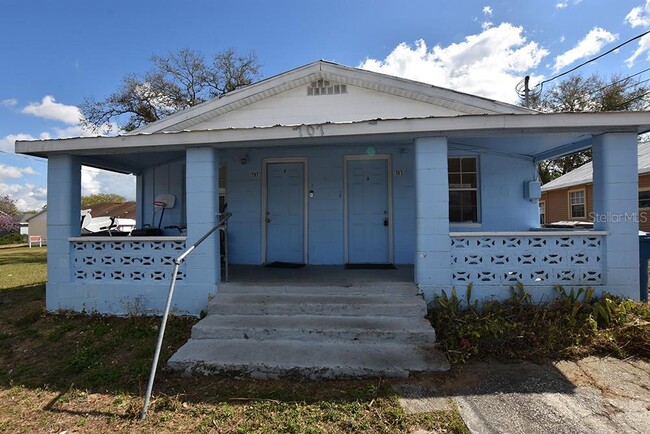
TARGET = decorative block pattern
(542,260)
(125,261)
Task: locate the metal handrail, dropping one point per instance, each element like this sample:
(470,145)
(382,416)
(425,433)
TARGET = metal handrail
(177,262)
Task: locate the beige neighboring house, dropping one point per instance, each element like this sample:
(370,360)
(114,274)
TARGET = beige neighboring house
(37,226)
(569,199)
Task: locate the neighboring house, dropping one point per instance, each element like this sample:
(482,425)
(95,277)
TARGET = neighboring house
(569,199)
(22,221)
(331,165)
(37,226)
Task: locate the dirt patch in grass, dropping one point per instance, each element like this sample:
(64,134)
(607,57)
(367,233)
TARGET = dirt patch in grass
(87,373)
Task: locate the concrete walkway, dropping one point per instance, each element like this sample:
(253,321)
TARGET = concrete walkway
(593,395)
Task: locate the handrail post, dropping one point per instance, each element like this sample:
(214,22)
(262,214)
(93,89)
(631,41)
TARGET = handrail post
(161,334)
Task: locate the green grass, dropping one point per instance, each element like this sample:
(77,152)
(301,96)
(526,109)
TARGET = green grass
(87,373)
(22,266)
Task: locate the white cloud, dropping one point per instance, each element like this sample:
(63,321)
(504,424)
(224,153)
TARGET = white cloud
(591,44)
(562,5)
(95,181)
(639,16)
(48,108)
(27,196)
(10,102)
(643,47)
(489,64)
(7,142)
(486,25)
(15,172)
(487,10)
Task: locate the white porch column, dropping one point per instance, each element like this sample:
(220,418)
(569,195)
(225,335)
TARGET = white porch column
(615,169)
(433,246)
(202,206)
(63,217)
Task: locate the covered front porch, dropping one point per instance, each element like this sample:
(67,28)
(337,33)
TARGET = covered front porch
(492,243)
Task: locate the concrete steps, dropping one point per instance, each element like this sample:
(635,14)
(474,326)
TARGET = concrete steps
(315,331)
(271,359)
(315,327)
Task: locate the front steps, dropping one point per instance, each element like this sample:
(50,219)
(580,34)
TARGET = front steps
(314,331)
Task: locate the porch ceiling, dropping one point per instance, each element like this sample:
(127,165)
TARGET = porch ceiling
(536,136)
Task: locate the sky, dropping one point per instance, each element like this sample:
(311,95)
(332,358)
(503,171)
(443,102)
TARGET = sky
(54,54)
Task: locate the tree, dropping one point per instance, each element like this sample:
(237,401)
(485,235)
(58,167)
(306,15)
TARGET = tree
(8,206)
(94,199)
(590,94)
(175,82)
(7,223)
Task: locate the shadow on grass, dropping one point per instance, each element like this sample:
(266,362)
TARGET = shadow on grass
(22,255)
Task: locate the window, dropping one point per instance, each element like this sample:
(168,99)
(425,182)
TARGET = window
(577,204)
(644,199)
(542,212)
(463,189)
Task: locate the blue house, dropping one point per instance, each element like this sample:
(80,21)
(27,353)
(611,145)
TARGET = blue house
(327,165)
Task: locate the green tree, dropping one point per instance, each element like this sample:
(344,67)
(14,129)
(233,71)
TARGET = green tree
(8,206)
(94,199)
(177,81)
(586,94)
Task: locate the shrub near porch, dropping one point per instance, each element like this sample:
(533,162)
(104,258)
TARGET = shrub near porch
(576,324)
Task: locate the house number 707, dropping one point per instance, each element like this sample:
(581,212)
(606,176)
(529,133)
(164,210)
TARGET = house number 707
(310,130)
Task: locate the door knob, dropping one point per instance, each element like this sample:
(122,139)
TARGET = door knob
(268,217)
(385,221)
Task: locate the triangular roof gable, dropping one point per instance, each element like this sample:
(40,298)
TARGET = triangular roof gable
(420,95)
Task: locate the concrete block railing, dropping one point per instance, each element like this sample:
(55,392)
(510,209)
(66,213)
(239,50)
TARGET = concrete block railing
(130,260)
(536,259)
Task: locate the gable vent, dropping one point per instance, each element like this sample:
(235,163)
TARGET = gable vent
(324,87)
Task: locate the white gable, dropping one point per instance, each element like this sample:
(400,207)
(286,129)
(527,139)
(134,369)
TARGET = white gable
(324,92)
(296,106)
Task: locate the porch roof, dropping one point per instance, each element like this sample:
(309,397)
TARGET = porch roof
(536,136)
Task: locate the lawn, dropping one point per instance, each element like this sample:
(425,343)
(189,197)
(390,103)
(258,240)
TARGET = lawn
(87,373)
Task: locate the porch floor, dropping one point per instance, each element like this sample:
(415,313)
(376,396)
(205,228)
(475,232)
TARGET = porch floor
(317,275)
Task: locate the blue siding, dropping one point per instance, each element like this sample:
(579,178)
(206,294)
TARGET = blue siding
(502,203)
(325,209)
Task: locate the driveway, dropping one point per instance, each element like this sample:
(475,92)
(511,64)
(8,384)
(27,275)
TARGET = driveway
(593,395)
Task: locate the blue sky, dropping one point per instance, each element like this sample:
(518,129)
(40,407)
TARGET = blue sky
(53,54)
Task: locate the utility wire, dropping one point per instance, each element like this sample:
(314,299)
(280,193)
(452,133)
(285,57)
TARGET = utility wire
(624,103)
(623,79)
(594,58)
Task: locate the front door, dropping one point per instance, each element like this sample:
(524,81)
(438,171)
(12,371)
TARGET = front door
(284,215)
(368,212)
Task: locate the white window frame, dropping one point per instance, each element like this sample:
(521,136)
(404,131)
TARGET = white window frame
(584,203)
(542,212)
(477,188)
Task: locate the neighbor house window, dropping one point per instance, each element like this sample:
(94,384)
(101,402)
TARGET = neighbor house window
(577,204)
(463,189)
(542,212)
(644,198)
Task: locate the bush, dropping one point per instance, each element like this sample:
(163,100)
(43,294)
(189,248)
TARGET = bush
(575,324)
(12,239)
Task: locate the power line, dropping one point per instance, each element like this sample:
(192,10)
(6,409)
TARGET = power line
(624,79)
(593,59)
(624,103)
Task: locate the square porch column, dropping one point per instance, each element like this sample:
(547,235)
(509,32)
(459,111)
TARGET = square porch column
(616,209)
(203,265)
(433,245)
(63,222)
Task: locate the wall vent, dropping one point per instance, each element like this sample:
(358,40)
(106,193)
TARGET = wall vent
(324,87)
